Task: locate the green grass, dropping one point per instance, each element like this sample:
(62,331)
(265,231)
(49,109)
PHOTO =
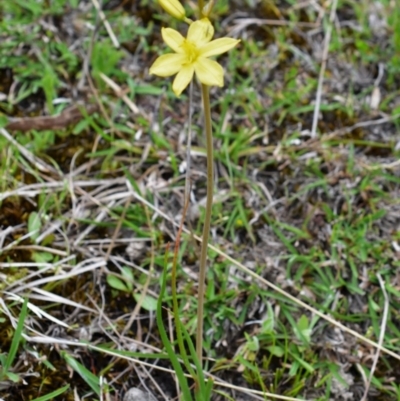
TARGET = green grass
(316,217)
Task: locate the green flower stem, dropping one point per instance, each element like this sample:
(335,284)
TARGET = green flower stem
(205,94)
(201,6)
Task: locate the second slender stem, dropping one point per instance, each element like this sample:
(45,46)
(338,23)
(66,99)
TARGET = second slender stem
(201,6)
(207,219)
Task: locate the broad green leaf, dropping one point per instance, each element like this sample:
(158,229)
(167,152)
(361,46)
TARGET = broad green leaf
(304,327)
(302,323)
(42,257)
(275,350)
(116,283)
(269,323)
(127,273)
(13,377)
(148,302)
(34,225)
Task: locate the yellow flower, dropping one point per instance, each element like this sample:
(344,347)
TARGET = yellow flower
(173,7)
(191,56)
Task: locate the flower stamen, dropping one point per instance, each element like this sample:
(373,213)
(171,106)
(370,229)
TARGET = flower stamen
(191,51)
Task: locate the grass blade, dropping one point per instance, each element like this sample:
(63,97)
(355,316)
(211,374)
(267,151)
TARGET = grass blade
(167,344)
(53,394)
(91,379)
(17,337)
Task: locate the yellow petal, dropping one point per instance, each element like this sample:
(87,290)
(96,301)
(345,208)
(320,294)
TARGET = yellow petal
(217,46)
(173,7)
(200,32)
(167,65)
(183,79)
(209,72)
(173,39)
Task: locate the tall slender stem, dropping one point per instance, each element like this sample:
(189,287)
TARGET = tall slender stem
(207,219)
(200,3)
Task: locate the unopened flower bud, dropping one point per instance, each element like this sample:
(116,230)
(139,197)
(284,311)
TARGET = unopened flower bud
(208,8)
(174,8)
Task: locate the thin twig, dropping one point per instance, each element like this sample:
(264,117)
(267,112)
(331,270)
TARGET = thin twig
(240,24)
(381,335)
(361,124)
(71,115)
(88,55)
(106,24)
(120,93)
(323,67)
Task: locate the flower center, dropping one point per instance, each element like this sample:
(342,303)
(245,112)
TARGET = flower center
(191,51)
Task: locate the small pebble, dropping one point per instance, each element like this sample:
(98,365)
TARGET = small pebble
(134,394)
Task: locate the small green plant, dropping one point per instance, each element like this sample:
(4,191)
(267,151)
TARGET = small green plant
(125,284)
